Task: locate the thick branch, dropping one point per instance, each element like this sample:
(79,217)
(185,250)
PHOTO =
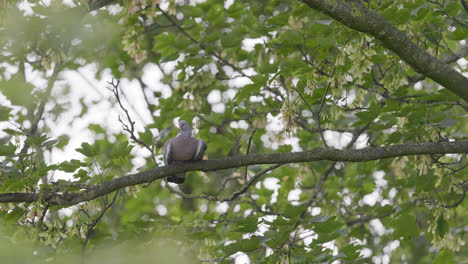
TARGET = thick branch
(356,16)
(449,60)
(355,155)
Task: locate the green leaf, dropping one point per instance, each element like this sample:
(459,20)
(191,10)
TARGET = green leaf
(36,140)
(442,227)
(383,209)
(459,34)
(352,251)
(244,245)
(245,92)
(285,148)
(266,67)
(247,225)
(274,239)
(17,90)
(6,150)
(4,113)
(279,20)
(89,150)
(81,175)
(405,226)
(194,11)
(96,129)
(13,132)
(232,39)
(146,137)
(291,38)
(326,237)
(121,149)
(292,212)
(326,224)
(368,116)
(71,166)
(13,216)
(445,256)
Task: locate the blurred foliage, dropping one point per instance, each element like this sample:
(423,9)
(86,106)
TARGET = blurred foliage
(233,69)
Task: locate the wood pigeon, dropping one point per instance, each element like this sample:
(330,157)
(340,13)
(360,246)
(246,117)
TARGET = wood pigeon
(183,147)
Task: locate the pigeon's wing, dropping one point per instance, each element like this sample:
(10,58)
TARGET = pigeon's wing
(200,151)
(167,152)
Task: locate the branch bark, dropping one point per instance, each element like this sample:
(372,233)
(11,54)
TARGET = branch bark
(448,60)
(356,16)
(355,155)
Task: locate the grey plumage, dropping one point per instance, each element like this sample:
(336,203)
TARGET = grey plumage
(183,147)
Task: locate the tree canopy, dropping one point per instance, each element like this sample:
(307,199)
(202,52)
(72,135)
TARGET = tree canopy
(336,130)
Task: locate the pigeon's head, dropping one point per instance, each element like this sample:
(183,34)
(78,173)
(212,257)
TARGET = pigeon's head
(185,128)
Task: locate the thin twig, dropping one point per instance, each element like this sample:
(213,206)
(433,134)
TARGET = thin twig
(247,152)
(143,90)
(41,220)
(130,128)
(223,186)
(457,203)
(91,226)
(320,108)
(234,195)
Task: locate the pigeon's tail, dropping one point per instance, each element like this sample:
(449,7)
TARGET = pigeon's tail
(178,178)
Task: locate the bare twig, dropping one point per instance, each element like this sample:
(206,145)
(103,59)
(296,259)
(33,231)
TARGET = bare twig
(130,127)
(247,152)
(223,186)
(93,224)
(143,90)
(301,122)
(320,108)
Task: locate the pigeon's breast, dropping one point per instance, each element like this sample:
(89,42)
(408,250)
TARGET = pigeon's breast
(184,148)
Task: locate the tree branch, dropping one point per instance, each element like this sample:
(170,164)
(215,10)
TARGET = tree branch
(355,15)
(331,154)
(449,60)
